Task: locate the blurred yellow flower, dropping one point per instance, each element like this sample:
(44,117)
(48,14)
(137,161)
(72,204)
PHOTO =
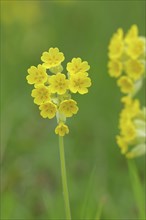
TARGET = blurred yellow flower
(41,94)
(68,107)
(136,48)
(131,34)
(61,129)
(48,110)
(37,75)
(126,100)
(79,82)
(125,84)
(132,108)
(115,68)
(122,144)
(128,131)
(116,46)
(58,83)
(134,69)
(52,58)
(77,65)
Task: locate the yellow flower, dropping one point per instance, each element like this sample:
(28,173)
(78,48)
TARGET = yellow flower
(126,84)
(68,107)
(115,68)
(116,46)
(52,58)
(125,117)
(41,94)
(130,111)
(134,108)
(79,82)
(129,131)
(126,100)
(134,68)
(136,48)
(58,83)
(48,110)
(61,129)
(122,144)
(37,75)
(131,34)
(76,65)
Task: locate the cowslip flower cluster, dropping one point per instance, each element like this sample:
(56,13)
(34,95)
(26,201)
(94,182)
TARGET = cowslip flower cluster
(132,124)
(127,64)
(53,89)
(127,59)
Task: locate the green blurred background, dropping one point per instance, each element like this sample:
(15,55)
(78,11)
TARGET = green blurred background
(31,180)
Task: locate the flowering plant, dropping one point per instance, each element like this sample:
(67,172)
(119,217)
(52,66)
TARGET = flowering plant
(52,93)
(127,63)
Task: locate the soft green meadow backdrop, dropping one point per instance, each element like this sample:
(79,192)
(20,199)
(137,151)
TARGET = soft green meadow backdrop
(97,172)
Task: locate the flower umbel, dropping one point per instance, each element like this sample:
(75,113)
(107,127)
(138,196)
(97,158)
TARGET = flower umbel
(127,64)
(53,88)
(127,58)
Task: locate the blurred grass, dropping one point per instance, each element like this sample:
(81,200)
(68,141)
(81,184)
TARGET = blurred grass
(31,184)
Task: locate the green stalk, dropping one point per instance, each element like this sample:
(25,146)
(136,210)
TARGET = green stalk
(64,179)
(137,188)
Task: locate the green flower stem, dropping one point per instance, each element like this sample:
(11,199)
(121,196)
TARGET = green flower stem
(137,188)
(64,179)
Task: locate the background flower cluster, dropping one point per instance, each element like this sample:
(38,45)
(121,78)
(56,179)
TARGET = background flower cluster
(127,63)
(132,123)
(52,89)
(127,59)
